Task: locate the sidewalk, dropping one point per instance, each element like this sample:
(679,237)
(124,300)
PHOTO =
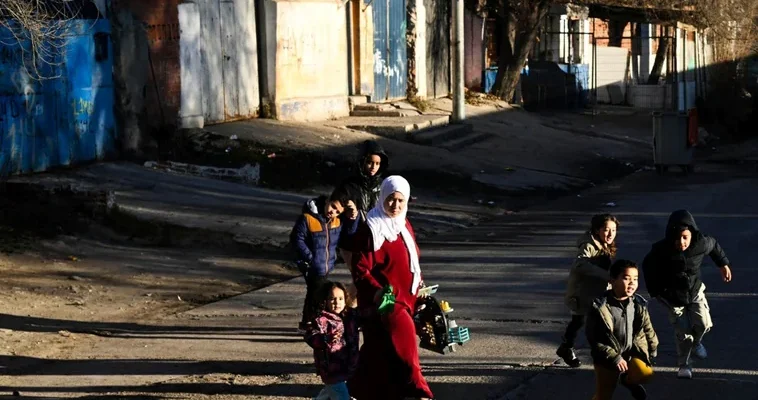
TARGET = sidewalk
(512,152)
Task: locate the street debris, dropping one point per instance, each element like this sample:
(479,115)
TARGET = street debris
(610,204)
(249,173)
(233,137)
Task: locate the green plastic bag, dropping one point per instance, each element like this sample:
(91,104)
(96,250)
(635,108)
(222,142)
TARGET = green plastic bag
(387,301)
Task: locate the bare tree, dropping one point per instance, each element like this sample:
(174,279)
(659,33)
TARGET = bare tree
(731,25)
(38,30)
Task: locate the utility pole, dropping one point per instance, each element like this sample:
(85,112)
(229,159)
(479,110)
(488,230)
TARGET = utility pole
(459,111)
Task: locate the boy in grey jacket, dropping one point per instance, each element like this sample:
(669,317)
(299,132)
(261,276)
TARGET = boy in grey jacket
(621,336)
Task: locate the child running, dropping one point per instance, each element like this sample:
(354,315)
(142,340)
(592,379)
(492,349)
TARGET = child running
(333,335)
(672,276)
(315,237)
(588,278)
(621,335)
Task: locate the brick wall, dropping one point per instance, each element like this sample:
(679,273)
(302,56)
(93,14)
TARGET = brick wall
(161,20)
(600,28)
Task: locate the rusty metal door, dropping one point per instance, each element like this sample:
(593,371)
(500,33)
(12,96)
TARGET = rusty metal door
(390,50)
(438,14)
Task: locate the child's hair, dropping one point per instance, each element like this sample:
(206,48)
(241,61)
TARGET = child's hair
(340,195)
(620,266)
(326,290)
(598,222)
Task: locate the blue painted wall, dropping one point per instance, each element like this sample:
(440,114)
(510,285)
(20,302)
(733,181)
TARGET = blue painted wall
(65,120)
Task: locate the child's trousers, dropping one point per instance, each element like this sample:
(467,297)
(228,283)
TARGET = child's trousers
(606,379)
(310,305)
(691,323)
(337,391)
(572,330)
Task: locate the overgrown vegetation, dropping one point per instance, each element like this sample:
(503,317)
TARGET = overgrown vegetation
(421,104)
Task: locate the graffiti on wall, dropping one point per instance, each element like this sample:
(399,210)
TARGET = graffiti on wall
(60,121)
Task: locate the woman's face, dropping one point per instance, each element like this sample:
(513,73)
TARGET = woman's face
(394,204)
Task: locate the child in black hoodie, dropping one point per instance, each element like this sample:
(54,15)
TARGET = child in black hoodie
(672,275)
(362,190)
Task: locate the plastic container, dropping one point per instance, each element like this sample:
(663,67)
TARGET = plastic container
(671,141)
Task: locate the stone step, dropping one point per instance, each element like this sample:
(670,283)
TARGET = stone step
(437,136)
(375,107)
(355,101)
(467,140)
(376,113)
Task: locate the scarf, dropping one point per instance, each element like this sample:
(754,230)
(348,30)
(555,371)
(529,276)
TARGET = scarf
(385,228)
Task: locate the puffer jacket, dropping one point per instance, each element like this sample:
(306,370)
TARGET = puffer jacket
(315,239)
(675,275)
(589,277)
(605,347)
(362,188)
(334,339)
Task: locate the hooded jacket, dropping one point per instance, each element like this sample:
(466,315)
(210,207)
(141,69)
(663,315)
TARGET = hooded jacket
(334,339)
(672,274)
(605,347)
(588,278)
(362,188)
(315,239)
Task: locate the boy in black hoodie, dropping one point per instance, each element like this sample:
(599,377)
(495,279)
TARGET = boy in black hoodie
(363,188)
(672,275)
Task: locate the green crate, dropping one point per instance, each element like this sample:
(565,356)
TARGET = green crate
(459,335)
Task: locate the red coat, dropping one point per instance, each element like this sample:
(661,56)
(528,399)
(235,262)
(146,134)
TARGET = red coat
(380,374)
(390,264)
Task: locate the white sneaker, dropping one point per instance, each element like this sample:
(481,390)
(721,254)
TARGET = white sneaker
(684,373)
(699,352)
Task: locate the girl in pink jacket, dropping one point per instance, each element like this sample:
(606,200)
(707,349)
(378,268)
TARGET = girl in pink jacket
(333,335)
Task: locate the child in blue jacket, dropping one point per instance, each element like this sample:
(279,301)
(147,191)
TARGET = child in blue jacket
(315,237)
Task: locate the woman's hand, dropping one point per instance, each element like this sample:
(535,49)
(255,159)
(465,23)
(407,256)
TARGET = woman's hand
(378,296)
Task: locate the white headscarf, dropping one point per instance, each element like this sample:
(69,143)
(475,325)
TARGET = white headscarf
(386,228)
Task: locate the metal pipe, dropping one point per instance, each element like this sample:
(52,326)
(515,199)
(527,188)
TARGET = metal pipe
(350,43)
(459,112)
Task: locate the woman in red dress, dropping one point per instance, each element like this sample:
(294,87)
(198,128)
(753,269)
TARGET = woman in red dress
(388,364)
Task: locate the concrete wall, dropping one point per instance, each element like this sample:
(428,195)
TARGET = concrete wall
(366,47)
(650,96)
(310,69)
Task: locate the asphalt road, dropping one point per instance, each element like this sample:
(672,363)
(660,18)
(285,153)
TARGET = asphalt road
(505,279)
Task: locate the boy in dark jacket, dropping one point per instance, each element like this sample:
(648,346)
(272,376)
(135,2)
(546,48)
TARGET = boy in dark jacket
(363,188)
(315,237)
(621,336)
(672,275)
